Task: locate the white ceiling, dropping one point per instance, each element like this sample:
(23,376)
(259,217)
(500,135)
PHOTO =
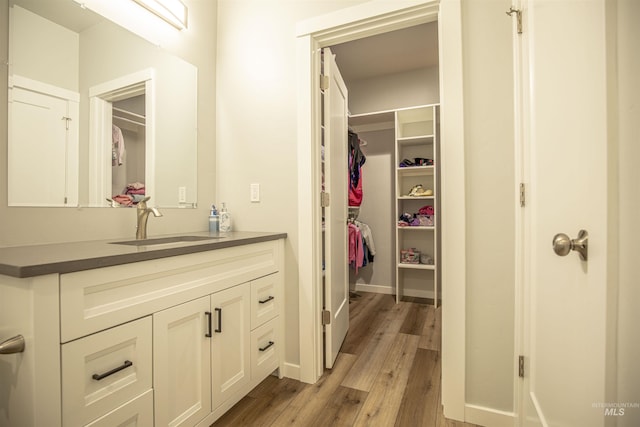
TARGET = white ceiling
(63,12)
(397,51)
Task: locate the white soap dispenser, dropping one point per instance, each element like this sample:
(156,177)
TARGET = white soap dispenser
(225,219)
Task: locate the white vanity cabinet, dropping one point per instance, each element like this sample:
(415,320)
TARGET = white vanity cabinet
(171,341)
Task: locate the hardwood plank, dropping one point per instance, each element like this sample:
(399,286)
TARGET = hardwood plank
(421,400)
(264,404)
(358,304)
(385,397)
(431,333)
(391,380)
(364,323)
(342,408)
(414,322)
(306,407)
(373,356)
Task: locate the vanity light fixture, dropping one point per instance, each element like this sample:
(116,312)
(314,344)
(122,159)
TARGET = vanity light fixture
(172,11)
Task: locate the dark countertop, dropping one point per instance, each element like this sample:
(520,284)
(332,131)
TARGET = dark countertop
(38,260)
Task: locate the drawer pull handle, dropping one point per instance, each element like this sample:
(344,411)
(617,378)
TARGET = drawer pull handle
(266,346)
(267,300)
(125,365)
(219,328)
(208,314)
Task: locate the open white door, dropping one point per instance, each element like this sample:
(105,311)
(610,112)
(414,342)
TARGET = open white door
(336,280)
(563,48)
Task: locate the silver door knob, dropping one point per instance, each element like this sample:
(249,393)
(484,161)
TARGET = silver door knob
(562,244)
(12,345)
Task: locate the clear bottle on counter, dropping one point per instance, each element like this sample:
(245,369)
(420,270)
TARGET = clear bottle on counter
(225,219)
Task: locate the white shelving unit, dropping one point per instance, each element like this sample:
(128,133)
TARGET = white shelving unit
(417,136)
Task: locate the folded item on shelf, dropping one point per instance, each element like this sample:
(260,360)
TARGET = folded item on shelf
(421,161)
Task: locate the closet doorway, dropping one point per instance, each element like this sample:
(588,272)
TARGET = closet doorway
(121,109)
(363,92)
(347,25)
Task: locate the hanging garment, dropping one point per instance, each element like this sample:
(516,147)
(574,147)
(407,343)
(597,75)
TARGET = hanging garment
(356,249)
(356,161)
(367,236)
(117,146)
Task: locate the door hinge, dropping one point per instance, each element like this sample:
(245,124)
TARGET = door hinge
(326,317)
(518,13)
(325,199)
(522,195)
(65,200)
(521,366)
(324,82)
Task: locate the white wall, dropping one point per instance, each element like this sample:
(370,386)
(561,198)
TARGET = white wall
(52,57)
(628,353)
(378,210)
(175,83)
(257,136)
(19,226)
(490,201)
(256,121)
(416,87)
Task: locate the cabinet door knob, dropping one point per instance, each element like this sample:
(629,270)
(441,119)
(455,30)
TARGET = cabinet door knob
(12,345)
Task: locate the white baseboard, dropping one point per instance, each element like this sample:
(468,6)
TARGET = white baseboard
(292,371)
(376,289)
(417,293)
(488,417)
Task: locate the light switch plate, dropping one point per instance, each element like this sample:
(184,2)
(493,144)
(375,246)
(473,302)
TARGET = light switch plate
(255,192)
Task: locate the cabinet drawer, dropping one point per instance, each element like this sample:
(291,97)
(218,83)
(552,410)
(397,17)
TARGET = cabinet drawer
(135,413)
(105,370)
(94,300)
(265,299)
(265,350)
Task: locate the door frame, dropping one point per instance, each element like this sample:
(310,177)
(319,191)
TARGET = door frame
(349,24)
(101,97)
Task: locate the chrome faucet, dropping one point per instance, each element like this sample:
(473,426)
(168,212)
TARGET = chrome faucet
(143,215)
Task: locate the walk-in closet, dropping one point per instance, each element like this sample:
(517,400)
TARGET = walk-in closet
(393,100)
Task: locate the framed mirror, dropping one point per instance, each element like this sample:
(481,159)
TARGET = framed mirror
(97,115)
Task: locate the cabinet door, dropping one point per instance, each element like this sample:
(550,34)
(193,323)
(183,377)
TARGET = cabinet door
(231,355)
(182,363)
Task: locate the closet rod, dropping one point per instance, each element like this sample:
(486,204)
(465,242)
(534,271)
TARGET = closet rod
(120,110)
(129,120)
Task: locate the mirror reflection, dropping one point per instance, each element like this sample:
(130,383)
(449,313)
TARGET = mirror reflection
(97,115)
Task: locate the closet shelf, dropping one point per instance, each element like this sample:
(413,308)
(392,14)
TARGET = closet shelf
(416,198)
(417,136)
(416,170)
(417,227)
(417,266)
(416,140)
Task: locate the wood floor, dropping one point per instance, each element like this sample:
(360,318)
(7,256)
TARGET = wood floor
(387,374)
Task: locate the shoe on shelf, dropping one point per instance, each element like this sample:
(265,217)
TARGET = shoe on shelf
(420,191)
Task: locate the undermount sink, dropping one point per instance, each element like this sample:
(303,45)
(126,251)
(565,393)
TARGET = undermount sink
(165,240)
